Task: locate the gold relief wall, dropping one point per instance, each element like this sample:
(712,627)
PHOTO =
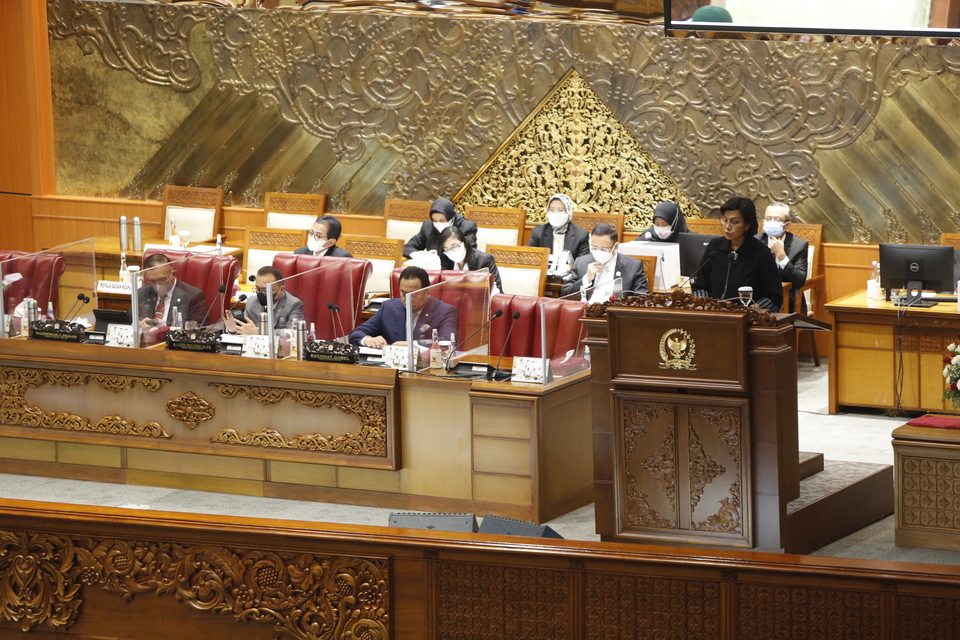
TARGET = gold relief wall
(368,106)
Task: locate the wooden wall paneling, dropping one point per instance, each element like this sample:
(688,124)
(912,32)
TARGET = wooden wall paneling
(39,92)
(15,212)
(236,220)
(61,219)
(847,267)
(362,225)
(14,107)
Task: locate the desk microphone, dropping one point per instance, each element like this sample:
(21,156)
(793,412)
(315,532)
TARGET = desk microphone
(82,299)
(496,373)
(496,314)
(242,297)
(220,291)
(335,320)
(703,263)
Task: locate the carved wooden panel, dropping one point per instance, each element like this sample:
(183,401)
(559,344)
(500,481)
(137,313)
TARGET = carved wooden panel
(930,493)
(274,239)
(928,618)
(303,595)
(683,469)
(768,611)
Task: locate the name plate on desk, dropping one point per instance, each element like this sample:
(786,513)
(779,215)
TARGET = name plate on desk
(530,370)
(59,330)
(111,286)
(331,351)
(196,340)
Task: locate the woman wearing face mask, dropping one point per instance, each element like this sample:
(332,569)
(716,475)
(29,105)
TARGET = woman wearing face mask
(459,255)
(442,216)
(668,222)
(560,234)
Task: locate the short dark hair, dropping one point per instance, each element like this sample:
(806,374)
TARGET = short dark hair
(746,208)
(416,273)
(270,270)
(604,229)
(334,228)
(155,260)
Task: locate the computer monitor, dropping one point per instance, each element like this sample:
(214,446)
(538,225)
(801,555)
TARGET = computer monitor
(692,246)
(668,261)
(916,267)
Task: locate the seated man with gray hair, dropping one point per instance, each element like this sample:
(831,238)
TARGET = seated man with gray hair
(789,251)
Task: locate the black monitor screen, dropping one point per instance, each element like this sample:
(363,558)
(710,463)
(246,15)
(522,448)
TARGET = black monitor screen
(692,246)
(929,266)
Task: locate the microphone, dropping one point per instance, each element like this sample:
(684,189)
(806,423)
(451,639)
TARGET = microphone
(496,373)
(703,263)
(242,297)
(220,291)
(335,313)
(496,314)
(81,300)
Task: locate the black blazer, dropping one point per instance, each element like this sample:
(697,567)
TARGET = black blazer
(795,271)
(751,265)
(428,236)
(630,270)
(332,252)
(480,260)
(576,240)
(189,301)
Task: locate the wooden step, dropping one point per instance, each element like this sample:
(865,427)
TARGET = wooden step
(810,463)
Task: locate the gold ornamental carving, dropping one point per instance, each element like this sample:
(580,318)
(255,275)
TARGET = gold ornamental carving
(677,349)
(190,409)
(679,299)
(301,205)
(369,440)
(304,596)
(572,143)
(14,409)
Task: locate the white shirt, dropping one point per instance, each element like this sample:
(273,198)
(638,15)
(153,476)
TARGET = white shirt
(558,239)
(604,281)
(786,259)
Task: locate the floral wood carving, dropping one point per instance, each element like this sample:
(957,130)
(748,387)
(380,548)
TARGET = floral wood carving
(295,205)
(14,409)
(190,409)
(703,468)
(637,417)
(639,512)
(896,232)
(662,465)
(728,518)
(260,238)
(386,249)
(679,299)
(369,440)
(862,234)
(305,596)
(929,231)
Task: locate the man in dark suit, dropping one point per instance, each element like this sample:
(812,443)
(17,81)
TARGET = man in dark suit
(388,325)
(789,251)
(596,275)
(162,292)
(322,239)
(442,215)
(286,308)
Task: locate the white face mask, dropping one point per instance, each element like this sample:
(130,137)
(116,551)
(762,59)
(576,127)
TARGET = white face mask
(440,226)
(663,232)
(557,219)
(602,256)
(316,245)
(456,255)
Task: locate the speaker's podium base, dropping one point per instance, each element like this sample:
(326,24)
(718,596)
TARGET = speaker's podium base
(695,431)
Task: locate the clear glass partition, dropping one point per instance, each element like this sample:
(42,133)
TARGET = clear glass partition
(161,298)
(599,292)
(561,351)
(63,281)
(459,310)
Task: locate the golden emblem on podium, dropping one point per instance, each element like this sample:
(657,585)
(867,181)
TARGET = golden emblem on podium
(677,349)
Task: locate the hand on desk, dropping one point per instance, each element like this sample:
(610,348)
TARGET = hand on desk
(246,326)
(374,342)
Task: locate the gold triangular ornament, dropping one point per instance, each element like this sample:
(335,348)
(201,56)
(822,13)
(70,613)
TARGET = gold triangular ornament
(573,143)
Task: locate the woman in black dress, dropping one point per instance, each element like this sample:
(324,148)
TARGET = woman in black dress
(738,259)
(457,253)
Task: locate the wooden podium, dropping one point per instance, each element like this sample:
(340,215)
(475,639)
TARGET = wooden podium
(695,430)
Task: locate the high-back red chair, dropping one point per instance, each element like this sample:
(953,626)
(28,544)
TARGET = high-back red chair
(564,329)
(340,281)
(472,302)
(41,279)
(206,272)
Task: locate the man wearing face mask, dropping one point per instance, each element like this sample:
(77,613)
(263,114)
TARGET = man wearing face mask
(322,239)
(560,234)
(596,275)
(286,308)
(162,292)
(789,251)
(442,215)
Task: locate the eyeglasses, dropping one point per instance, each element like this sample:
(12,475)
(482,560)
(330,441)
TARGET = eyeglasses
(276,286)
(726,222)
(163,280)
(774,219)
(594,247)
(454,247)
(318,236)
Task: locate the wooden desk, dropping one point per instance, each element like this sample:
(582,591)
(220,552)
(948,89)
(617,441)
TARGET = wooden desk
(297,430)
(865,360)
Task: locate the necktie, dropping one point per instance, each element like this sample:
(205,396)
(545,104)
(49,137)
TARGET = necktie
(161,308)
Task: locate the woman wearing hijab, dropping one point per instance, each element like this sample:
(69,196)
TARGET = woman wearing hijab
(442,216)
(668,222)
(560,233)
(459,254)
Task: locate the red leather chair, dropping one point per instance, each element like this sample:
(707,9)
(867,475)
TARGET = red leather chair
(206,272)
(41,278)
(340,281)
(564,330)
(472,302)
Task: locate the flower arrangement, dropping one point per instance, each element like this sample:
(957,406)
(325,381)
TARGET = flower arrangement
(951,374)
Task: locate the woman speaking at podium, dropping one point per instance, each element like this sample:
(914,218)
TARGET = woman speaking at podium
(739,260)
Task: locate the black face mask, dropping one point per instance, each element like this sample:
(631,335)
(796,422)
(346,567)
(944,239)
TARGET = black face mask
(262,299)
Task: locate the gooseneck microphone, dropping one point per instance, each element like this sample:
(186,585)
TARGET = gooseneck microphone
(82,299)
(496,373)
(337,325)
(220,291)
(703,263)
(496,314)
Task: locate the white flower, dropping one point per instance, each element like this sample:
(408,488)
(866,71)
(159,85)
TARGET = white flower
(951,347)
(946,371)
(956,360)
